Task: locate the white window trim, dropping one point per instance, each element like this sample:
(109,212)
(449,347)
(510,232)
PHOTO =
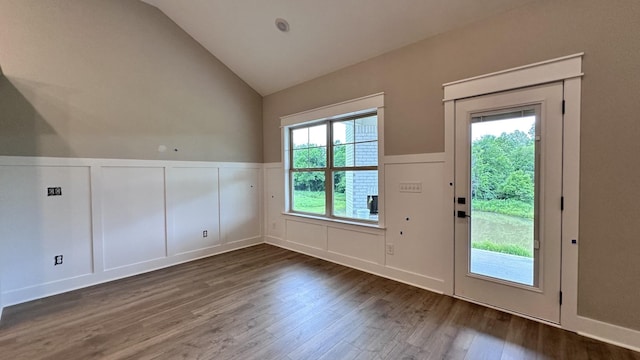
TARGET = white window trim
(567,69)
(374,102)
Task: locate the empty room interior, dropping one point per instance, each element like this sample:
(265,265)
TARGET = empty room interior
(357,179)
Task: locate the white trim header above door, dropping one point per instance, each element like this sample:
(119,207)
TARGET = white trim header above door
(559,69)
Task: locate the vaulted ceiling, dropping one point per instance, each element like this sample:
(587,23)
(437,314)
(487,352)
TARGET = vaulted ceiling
(324,35)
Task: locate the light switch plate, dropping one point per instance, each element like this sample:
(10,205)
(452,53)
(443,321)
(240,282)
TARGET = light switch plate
(411,187)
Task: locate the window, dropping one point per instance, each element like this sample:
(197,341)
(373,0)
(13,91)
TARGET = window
(331,161)
(334,167)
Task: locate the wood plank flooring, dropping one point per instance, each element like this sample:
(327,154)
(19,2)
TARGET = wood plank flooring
(265,302)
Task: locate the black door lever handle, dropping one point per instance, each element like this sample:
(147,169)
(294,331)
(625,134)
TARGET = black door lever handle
(463,214)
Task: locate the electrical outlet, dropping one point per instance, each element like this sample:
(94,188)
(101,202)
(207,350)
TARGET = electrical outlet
(411,187)
(205,233)
(273,225)
(54,191)
(57,260)
(390,249)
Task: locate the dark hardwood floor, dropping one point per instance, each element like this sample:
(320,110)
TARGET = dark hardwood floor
(264,302)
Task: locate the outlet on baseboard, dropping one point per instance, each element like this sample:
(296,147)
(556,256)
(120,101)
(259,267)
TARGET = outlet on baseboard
(390,249)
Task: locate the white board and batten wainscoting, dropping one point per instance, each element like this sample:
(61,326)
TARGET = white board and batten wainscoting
(117,218)
(414,225)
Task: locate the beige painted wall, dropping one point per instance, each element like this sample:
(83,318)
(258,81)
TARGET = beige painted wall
(116,79)
(609,33)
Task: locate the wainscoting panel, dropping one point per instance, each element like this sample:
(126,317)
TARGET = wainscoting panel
(192,201)
(133,215)
(304,233)
(274,200)
(240,204)
(117,218)
(416,221)
(359,245)
(36,227)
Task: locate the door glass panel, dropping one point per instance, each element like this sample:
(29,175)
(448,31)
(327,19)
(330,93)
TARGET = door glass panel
(503,196)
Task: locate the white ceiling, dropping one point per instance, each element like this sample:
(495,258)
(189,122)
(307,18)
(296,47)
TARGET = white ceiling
(325,35)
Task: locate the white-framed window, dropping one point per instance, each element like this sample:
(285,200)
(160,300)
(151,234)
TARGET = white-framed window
(332,161)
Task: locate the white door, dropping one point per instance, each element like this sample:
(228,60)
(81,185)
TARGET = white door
(508,192)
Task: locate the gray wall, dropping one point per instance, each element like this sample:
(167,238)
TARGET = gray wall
(411,77)
(116,79)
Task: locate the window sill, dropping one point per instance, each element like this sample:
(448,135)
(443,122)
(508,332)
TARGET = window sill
(338,223)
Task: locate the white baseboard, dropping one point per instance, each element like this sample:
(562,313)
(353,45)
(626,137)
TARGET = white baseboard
(613,334)
(403,276)
(57,287)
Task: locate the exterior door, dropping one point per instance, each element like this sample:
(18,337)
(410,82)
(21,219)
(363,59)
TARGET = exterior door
(508,190)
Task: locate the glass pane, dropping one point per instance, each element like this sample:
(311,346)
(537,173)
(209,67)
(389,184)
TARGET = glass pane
(503,197)
(355,194)
(339,152)
(344,155)
(366,129)
(343,132)
(309,192)
(340,132)
(317,157)
(318,135)
(300,138)
(301,159)
(366,154)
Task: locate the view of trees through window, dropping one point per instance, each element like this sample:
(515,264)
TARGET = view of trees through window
(350,177)
(503,186)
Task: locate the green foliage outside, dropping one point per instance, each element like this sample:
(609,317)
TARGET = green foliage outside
(316,157)
(502,183)
(506,207)
(511,249)
(309,186)
(503,167)
(309,201)
(339,204)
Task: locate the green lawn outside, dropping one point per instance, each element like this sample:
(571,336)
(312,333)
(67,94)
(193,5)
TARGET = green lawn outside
(314,202)
(502,233)
(506,207)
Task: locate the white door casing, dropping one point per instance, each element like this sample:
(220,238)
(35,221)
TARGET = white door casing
(541,300)
(567,69)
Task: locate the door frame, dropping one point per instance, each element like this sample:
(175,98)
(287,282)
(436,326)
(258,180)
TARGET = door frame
(568,70)
(539,299)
